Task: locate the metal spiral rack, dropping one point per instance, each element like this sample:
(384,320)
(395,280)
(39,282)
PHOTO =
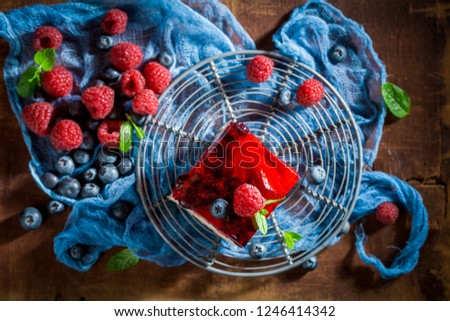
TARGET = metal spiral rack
(193,111)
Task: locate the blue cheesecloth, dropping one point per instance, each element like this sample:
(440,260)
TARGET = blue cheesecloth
(190,32)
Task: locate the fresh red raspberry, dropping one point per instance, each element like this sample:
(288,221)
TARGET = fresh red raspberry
(37,117)
(387,213)
(247,200)
(145,103)
(108,132)
(259,69)
(115,22)
(58,82)
(157,77)
(99,101)
(66,135)
(310,92)
(47,37)
(125,56)
(132,82)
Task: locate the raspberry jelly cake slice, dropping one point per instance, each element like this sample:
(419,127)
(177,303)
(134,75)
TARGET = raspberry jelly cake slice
(235,158)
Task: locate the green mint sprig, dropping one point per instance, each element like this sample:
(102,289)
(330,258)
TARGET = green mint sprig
(290,238)
(31,78)
(260,217)
(122,260)
(126,134)
(396,99)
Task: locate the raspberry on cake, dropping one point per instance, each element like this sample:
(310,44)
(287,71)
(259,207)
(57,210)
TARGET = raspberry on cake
(237,160)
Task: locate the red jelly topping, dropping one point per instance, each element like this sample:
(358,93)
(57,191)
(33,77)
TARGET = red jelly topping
(235,158)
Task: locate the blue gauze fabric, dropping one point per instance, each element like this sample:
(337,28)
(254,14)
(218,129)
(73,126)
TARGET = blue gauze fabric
(159,26)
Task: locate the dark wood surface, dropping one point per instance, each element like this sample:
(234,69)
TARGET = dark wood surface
(411,37)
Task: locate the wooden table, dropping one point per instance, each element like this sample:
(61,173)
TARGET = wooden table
(411,37)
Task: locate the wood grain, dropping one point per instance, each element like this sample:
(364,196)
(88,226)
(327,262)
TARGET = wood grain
(412,38)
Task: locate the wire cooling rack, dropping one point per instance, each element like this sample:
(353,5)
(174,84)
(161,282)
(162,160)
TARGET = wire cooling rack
(193,111)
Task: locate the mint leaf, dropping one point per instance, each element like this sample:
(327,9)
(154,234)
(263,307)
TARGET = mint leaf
(261,222)
(125,137)
(396,99)
(28,82)
(273,201)
(290,238)
(264,212)
(139,131)
(45,58)
(122,260)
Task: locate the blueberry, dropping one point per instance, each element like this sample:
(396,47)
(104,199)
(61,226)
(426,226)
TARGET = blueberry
(50,180)
(138,119)
(69,187)
(77,111)
(55,207)
(310,264)
(92,124)
(345,229)
(117,113)
(98,82)
(121,210)
(111,74)
(89,190)
(81,157)
(125,167)
(88,141)
(105,158)
(338,54)
(37,97)
(285,97)
(257,250)
(165,59)
(108,173)
(65,165)
(30,219)
(105,42)
(218,208)
(90,174)
(77,251)
(316,175)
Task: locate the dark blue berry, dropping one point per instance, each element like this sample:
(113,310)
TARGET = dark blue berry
(30,219)
(105,158)
(65,165)
(90,174)
(138,119)
(257,250)
(316,175)
(50,180)
(111,74)
(69,187)
(218,208)
(125,167)
(89,190)
(37,97)
(165,59)
(98,82)
(108,173)
(105,42)
(81,156)
(121,210)
(77,251)
(117,113)
(88,141)
(338,54)
(55,207)
(92,124)
(310,264)
(285,97)
(77,111)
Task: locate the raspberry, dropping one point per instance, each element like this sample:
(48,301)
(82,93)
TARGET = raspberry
(125,55)
(66,135)
(47,37)
(115,22)
(109,132)
(387,213)
(37,117)
(259,69)
(145,103)
(132,82)
(99,101)
(157,77)
(58,82)
(310,92)
(247,200)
